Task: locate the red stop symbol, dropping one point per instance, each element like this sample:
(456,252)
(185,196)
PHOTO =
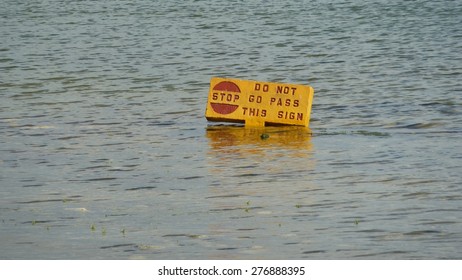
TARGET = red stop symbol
(225,97)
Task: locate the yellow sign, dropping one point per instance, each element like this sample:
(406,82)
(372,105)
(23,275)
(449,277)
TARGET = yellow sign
(258,103)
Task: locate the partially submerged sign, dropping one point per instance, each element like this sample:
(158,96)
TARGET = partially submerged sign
(258,103)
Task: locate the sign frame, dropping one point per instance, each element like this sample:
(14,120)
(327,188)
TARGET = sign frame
(258,103)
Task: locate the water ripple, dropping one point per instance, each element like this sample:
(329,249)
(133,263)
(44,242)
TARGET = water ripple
(103,139)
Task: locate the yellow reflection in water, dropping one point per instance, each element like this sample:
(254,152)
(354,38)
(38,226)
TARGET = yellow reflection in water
(243,156)
(293,141)
(258,175)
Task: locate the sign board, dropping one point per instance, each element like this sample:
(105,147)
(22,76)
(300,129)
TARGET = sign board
(258,103)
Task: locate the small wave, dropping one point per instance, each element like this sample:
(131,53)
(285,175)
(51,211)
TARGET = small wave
(117,246)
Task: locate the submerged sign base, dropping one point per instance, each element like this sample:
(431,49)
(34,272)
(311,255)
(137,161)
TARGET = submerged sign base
(258,103)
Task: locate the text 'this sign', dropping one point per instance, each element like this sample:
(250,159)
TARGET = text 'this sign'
(258,103)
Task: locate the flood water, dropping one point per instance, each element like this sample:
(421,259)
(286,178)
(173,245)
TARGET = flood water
(105,152)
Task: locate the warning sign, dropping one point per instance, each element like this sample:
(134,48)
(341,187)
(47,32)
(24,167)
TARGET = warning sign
(258,103)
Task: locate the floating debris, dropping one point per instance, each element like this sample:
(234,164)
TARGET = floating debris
(81,209)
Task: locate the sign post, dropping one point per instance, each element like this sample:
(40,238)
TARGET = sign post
(258,103)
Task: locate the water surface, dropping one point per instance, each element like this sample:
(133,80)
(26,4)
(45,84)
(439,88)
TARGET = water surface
(105,152)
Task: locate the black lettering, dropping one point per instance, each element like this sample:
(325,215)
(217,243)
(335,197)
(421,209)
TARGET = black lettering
(258,87)
(282,89)
(285,90)
(222,96)
(290,115)
(287,102)
(256,99)
(253,112)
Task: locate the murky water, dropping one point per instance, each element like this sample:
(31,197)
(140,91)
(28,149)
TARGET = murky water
(105,152)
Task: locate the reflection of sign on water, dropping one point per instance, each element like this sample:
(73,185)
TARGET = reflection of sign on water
(256,176)
(258,103)
(292,141)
